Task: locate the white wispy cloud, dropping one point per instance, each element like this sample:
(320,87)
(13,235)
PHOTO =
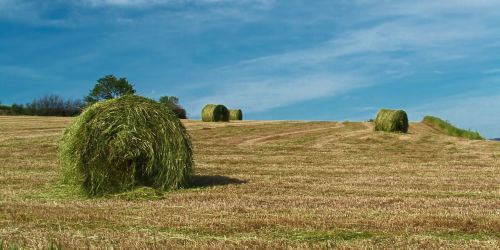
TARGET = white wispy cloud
(433,41)
(424,38)
(491,71)
(141,3)
(80,13)
(21,71)
(265,94)
(428,8)
(375,42)
(403,37)
(125,2)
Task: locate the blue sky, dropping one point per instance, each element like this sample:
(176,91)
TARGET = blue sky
(289,59)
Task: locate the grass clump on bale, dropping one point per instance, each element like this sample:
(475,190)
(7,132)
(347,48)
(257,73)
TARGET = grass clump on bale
(235,115)
(122,143)
(392,121)
(215,113)
(451,130)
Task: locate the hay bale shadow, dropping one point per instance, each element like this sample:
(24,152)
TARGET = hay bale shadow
(200,181)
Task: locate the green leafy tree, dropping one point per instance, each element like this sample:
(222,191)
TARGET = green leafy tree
(173,103)
(109,87)
(169,100)
(4,109)
(18,109)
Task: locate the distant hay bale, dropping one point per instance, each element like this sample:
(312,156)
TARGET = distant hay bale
(235,115)
(125,142)
(215,113)
(391,121)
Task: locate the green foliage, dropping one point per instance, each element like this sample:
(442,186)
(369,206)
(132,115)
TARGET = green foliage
(53,245)
(18,109)
(140,193)
(4,110)
(48,105)
(54,105)
(215,113)
(455,235)
(122,143)
(392,121)
(322,236)
(451,130)
(169,100)
(109,87)
(57,191)
(235,114)
(172,103)
(11,246)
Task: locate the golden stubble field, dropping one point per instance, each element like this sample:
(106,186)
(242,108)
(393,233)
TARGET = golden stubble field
(265,185)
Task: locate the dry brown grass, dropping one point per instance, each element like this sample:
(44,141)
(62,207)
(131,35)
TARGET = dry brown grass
(266,185)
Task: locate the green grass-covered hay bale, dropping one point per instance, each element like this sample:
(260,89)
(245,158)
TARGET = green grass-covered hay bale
(215,113)
(391,121)
(122,143)
(235,115)
(449,129)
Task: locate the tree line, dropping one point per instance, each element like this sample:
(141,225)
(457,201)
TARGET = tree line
(107,87)
(48,105)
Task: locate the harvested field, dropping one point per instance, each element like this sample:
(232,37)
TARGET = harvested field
(261,184)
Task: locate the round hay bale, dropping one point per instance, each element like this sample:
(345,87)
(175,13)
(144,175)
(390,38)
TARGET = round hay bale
(391,121)
(235,115)
(215,113)
(125,142)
